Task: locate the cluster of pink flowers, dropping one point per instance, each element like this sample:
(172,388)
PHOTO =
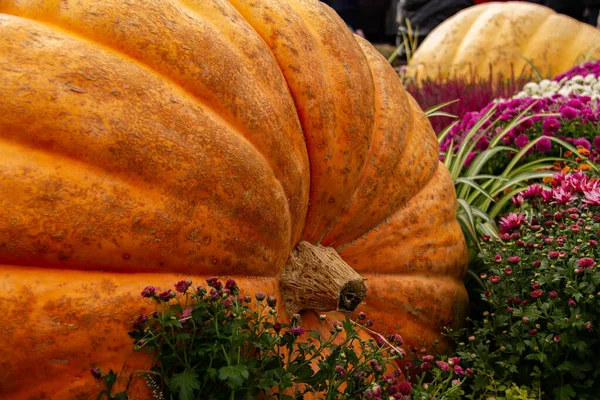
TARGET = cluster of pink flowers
(391,387)
(567,206)
(574,110)
(565,189)
(452,365)
(590,67)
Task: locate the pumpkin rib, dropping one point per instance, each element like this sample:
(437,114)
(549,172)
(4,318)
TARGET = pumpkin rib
(175,85)
(142,254)
(351,242)
(329,79)
(328,82)
(465,44)
(421,306)
(299,224)
(295,184)
(337,227)
(571,50)
(388,248)
(539,30)
(181,197)
(323,228)
(316,116)
(403,138)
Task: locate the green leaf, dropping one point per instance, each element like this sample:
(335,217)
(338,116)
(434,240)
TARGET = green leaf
(470,182)
(449,156)
(110,378)
(533,67)
(564,392)
(102,394)
(304,373)
(121,396)
(431,111)
(185,383)
(266,384)
(466,220)
(566,366)
(234,375)
(442,135)
(442,114)
(482,158)
(173,322)
(468,145)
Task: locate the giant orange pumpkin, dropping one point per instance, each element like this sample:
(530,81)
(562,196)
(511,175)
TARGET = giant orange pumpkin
(504,37)
(146,141)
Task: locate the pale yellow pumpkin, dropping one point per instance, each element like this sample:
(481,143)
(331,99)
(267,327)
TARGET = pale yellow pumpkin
(500,38)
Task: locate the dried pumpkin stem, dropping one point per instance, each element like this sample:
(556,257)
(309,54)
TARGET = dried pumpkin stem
(316,278)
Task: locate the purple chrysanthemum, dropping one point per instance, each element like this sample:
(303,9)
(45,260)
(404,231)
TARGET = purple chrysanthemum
(569,112)
(543,145)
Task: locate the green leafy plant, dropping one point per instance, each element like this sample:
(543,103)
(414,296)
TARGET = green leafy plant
(488,176)
(216,344)
(540,287)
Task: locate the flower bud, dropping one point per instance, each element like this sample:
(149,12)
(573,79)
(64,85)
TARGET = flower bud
(96,373)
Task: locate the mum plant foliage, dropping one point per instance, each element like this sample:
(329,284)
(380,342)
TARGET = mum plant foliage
(211,342)
(540,287)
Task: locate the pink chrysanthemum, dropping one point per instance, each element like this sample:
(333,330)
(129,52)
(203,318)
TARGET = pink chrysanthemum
(592,198)
(511,222)
(561,196)
(586,262)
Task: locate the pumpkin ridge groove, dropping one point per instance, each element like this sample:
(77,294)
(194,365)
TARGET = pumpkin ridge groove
(393,210)
(426,182)
(328,80)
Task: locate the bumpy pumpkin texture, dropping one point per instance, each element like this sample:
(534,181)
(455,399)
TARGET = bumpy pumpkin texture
(499,38)
(144,142)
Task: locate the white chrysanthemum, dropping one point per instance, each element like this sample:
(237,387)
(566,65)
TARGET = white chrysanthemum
(544,84)
(579,89)
(585,86)
(577,79)
(589,78)
(565,91)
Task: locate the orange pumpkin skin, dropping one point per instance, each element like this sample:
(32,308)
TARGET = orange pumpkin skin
(145,142)
(504,36)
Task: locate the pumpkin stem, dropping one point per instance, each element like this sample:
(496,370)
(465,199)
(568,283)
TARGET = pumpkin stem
(316,278)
